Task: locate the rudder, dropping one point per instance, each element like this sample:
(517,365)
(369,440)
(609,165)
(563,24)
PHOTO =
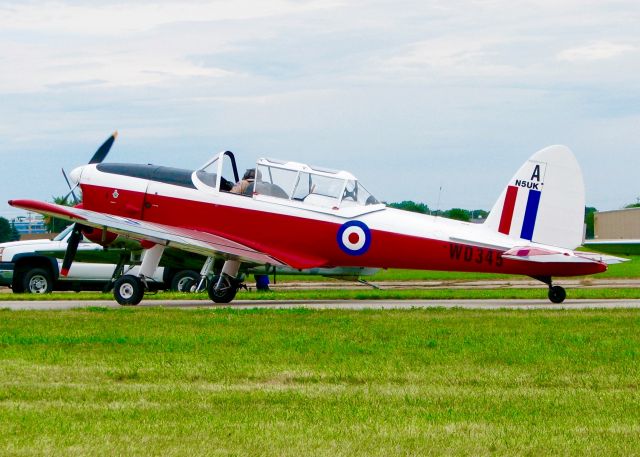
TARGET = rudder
(544,201)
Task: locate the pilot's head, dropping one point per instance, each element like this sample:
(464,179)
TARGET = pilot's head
(249,174)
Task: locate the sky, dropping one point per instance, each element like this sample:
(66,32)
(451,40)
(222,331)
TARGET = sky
(432,101)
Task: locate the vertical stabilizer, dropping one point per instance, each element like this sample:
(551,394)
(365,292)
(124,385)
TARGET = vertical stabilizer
(544,201)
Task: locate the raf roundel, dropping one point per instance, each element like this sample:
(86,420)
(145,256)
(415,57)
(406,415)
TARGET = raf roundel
(354,237)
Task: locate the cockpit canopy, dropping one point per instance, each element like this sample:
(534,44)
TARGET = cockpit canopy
(310,185)
(289,181)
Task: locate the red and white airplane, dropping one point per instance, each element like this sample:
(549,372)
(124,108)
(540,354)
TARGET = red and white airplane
(307,217)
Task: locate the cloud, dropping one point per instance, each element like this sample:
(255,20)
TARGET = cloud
(37,67)
(459,57)
(441,91)
(115,18)
(52,45)
(601,50)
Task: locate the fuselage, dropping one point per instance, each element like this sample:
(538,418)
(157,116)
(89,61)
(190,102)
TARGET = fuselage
(306,235)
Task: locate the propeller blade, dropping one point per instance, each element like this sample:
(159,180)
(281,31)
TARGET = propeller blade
(103,150)
(72,248)
(76,200)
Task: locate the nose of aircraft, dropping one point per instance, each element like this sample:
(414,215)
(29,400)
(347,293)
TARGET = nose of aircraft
(76,174)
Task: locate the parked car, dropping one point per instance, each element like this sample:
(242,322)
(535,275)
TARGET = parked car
(33,266)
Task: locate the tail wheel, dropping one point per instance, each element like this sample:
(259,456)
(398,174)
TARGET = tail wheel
(128,290)
(557,294)
(226,292)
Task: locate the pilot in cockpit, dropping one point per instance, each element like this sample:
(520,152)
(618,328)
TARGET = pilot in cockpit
(245,185)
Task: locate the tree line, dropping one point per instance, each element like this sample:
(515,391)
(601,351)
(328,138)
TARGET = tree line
(453,213)
(467,215)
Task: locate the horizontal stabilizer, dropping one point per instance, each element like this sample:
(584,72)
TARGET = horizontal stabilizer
(603,258)
(541,255)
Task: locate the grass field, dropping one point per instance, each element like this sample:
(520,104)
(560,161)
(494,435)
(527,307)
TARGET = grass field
(360,294)
(303,382)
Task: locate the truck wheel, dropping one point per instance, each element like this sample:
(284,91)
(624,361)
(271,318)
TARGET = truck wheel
(128,290)
(37,281)
(184,280)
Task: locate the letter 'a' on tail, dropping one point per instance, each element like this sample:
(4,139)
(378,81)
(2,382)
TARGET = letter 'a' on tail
(544,201)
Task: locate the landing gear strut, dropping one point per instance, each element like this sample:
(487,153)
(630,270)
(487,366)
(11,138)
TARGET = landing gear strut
(118,272)
(556,294)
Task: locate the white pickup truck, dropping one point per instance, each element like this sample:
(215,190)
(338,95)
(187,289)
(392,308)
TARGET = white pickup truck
(30,266)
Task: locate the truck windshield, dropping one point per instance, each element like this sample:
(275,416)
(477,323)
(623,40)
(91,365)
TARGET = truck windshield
(62,235)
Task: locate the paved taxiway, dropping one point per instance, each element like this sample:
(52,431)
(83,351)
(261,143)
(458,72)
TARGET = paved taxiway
(331,304)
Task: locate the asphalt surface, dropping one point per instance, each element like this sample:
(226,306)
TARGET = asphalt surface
(331,304)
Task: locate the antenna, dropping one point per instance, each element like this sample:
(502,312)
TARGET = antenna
(438,204)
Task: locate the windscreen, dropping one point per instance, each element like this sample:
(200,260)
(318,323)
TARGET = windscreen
(355,193)
(275,181)
(208,174)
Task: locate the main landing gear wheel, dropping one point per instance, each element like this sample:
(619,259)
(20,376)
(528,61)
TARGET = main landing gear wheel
(557,294)
(226,292)
(128,290)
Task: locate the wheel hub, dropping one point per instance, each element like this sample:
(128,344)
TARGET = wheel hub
(126,291)
(38,285)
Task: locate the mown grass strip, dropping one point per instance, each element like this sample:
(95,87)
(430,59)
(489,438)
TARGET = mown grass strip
(305,382)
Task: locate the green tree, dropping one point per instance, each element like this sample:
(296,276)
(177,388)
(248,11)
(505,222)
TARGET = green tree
(57,225)
(15,235)
(458,214)
(409,205)
(5,230)
(589,212)
(633,205)
(479,214)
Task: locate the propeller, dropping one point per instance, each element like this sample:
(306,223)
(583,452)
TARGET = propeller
(103,150)
(76,200)
(76,232)
(72,248)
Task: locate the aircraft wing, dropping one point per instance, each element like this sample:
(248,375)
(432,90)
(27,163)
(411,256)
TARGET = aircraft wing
(185,239)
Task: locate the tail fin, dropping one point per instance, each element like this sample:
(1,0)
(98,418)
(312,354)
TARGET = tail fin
(544,201)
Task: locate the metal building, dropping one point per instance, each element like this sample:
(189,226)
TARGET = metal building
(617,224)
